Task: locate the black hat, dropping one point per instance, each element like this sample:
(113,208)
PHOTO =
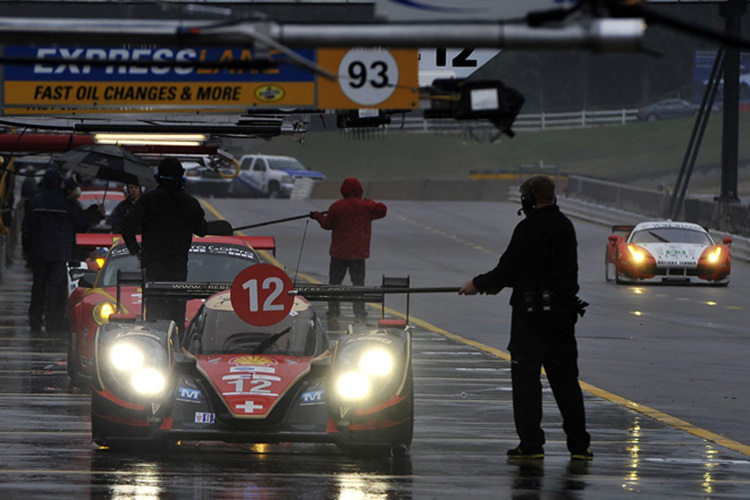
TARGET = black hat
(52,179)
(171,167)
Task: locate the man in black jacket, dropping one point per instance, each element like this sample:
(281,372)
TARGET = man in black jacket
(121,211)
(168,218)
(48,237)
(541,265)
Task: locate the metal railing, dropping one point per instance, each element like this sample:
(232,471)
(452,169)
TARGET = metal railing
(531,121)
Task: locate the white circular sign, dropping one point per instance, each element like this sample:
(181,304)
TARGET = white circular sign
(368,76)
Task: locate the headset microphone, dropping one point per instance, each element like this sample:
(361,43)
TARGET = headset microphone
(528,201)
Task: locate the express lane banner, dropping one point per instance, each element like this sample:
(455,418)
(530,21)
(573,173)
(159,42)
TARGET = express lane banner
(69,79)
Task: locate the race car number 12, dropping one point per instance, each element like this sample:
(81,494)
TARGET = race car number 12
(260,295)
(368,76)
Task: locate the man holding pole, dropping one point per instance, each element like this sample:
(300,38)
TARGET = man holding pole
(350,222)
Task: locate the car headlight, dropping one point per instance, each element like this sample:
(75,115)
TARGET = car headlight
(376,362)
(713,257)
(102,311)
(353,385)
(638,254)
(126,357)
(372,367)
(287,179)
(148,381)
(129,362)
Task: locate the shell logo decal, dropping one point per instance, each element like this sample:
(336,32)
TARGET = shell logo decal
(252,360)
(269,93)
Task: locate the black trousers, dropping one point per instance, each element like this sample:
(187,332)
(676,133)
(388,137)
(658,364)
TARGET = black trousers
(165,307)
(546,339)
(336,273)
(48,295)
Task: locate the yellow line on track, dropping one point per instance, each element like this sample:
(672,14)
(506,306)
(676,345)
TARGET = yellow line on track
(657,415)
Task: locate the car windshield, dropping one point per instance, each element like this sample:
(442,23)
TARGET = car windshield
(671,235)
(207,262)
(216,329)
(285,164)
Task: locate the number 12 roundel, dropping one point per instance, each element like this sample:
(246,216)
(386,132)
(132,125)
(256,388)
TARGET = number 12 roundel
(260,294)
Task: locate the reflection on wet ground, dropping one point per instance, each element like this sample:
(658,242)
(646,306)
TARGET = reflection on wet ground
(463,427)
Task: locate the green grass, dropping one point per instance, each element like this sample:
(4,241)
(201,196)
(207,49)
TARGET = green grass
(619,153)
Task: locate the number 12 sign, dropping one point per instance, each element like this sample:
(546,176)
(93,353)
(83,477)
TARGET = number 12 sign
(260,294)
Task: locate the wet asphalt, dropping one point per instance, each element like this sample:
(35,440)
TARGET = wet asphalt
(463,426)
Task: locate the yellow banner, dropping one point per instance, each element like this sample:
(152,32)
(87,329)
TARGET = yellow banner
(155,96)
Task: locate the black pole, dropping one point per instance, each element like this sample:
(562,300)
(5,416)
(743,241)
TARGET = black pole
(268,223)
(732,11)
(696,135)
(701,124)
(326,291)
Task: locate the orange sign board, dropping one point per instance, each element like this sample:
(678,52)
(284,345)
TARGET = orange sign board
(369,78)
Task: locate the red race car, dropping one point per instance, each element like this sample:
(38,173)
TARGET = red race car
(212,259)
(667,252)
(228,380)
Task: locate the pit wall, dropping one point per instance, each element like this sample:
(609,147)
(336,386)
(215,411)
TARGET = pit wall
(422,190)
(646,203)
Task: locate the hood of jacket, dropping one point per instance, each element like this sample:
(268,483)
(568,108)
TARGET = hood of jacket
(351,187)
(52,179)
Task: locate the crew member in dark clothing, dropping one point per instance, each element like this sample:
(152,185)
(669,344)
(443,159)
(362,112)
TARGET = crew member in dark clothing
(541,265)
(120,213)
(47,239)
(350,220)
(168,217)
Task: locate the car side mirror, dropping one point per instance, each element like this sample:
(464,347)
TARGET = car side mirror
(727,240)
(613,238)
(86,277)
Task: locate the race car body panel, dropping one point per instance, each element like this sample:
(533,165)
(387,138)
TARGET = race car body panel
(267,378)
(667,252)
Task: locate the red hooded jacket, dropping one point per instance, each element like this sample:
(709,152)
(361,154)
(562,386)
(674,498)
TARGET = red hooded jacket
(350,219)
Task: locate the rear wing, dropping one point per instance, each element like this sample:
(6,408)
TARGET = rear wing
(200,290)
(260,242)
(109,239)
(97,239)
(391,285)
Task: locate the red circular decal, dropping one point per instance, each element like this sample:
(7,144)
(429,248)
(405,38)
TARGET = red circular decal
(260,295)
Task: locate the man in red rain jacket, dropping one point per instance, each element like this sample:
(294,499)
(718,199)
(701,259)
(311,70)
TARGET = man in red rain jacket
(350,220)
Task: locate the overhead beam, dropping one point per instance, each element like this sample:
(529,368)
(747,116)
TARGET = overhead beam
(592,34)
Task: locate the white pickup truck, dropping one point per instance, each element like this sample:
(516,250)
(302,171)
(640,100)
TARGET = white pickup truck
(266,176)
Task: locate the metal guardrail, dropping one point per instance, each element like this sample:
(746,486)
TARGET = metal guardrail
(533,121)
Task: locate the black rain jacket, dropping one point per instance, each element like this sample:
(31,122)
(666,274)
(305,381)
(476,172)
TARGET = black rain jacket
(542,254)
(50,224)
(168,217)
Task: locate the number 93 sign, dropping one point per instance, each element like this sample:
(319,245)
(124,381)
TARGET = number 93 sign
(260,294)
(369,78)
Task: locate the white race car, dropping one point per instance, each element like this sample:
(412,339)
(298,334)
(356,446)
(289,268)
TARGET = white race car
(667,252)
